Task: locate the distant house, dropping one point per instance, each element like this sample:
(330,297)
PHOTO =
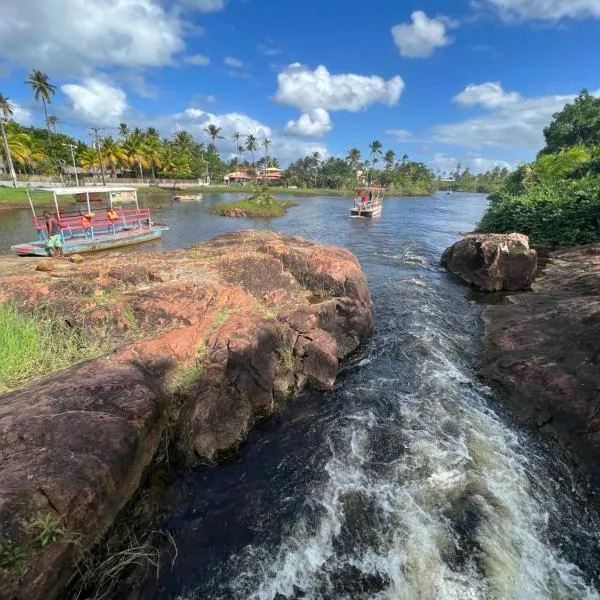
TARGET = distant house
(237,177)
(272,174)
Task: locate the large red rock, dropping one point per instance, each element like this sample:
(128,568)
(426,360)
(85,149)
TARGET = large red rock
(493,262)
(543,349)
(214,337)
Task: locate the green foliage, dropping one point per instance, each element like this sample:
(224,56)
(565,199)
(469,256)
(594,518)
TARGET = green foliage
(562,213)
(11,559)
(188,376)
(577,124)
(566,164)
(260,204)
(36,345)
(286,353)
(46,530)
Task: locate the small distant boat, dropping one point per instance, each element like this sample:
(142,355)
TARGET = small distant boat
(127,226)
(449,193)
(188,198)
(368,202)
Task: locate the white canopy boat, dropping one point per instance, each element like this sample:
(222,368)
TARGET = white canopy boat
(368,202)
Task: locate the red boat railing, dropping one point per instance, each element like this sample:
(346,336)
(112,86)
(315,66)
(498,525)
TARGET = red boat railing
(72,224)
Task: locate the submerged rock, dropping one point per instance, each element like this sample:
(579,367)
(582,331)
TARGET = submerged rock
(543,348)
(212,339)
(493,262)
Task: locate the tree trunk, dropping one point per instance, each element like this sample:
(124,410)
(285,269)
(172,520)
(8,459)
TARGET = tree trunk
(8,156)
(46,113)
(141,173)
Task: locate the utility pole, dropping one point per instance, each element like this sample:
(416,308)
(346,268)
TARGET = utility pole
(74,166)
(8,156)
(96,130)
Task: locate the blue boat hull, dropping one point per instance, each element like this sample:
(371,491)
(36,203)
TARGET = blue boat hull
(100,242)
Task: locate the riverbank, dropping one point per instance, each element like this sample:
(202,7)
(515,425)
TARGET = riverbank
(542,349)
(206,342)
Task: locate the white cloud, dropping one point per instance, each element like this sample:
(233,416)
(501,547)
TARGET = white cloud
(205,6)
(516,124)
(423,36)
(96,102)
(195,120)
(476,164)
(299,86)
(489,95)
(511,121)
(268,48)
(70,37)
(312,123)
(197,59)
(230,61)
(20,114)
(546,10)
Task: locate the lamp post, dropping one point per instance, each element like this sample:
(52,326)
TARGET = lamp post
(74,166)
(96,130)
(8,156)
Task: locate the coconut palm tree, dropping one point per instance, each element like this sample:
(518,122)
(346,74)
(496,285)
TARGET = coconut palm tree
(136,152)
(112,154)
(88,160)
(316,160)
(375,152)
(53,122)
(6,111)
(24,150)
(237,136)
(184,141)
(152,132)
(353,158)
(389,158)
(214,132)
(42,90)
(154,151)
(266,142)
(123,130)
(251,146)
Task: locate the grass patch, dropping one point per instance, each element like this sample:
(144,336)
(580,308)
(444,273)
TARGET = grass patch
(131,320)
(195,255)
(46,530)
(261,204)
(12,559)
(286,353)
(19,196)
(36,345)
(186,377)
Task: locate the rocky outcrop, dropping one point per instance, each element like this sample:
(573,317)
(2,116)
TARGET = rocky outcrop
(543,348)
(493,262)
(209,339)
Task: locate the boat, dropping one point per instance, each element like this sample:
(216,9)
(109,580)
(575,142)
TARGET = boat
(368,202)
(132,226)
(194,198)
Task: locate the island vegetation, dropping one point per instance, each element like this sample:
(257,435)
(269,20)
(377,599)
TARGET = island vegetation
(145,156)
(262,203)
(556,199)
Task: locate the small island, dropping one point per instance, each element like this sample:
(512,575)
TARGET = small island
(260,204)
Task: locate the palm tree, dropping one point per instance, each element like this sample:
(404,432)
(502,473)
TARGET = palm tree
(251,146)
(154,151)
(88,160)
(236,138)
(353,158)
(53,121)
(316,159)
(266,142)
(24,149)
(184,141)
(152,132)
(214,132)
(136,152)
(389,158)
(123,130)
(112,154)
(6,110)
(42,89)
(375,148)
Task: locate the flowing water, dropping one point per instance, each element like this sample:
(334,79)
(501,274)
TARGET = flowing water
(406,481)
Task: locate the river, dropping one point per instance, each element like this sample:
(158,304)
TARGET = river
(407,480)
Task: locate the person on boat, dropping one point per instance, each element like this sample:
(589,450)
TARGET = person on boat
(54,235)
(370,195)
(86,223)
(113,217)
(364,199)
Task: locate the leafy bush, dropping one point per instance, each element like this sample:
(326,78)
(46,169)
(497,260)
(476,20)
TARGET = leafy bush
(561,213)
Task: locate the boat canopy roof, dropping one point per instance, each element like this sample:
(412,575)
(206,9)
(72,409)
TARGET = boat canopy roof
(368,188)
(69,191)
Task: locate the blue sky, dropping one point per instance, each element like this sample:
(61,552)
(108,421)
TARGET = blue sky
(444,81)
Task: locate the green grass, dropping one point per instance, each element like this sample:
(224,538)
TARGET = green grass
(47,530)
(261,204)
(36,345)
(286,353)
(131,319)
(12,195)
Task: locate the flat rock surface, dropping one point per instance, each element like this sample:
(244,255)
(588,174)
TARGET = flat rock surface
(211,338)
(543,347)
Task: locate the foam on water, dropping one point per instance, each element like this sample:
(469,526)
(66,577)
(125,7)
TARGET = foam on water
(433,497)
